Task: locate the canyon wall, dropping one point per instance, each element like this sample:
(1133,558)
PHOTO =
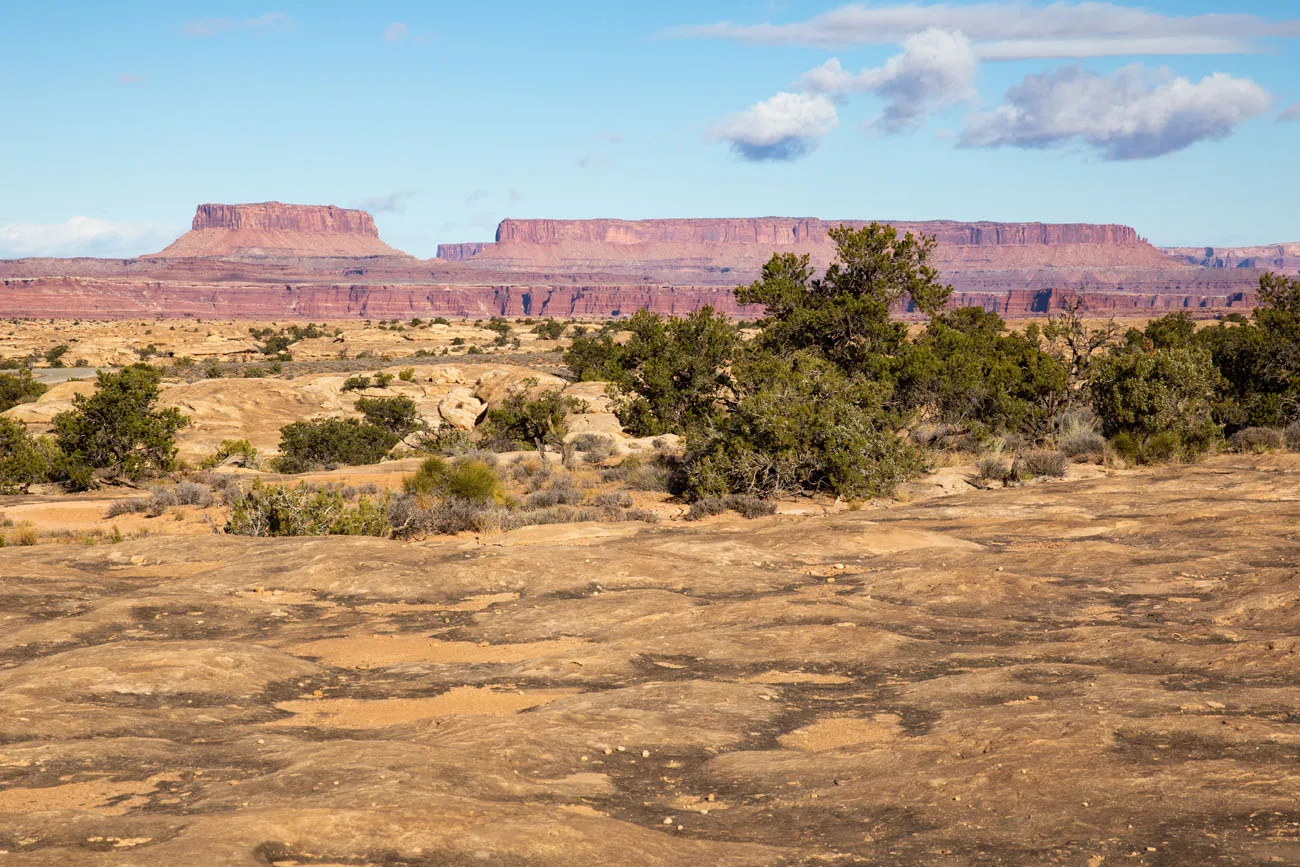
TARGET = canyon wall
(277,261)
(1280,258)
(272,229)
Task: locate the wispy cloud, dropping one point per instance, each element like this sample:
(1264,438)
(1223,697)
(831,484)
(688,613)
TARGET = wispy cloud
(393,203)
(83,236)
(1290,114)
(1133,114)
(271,22)
(1011,30)
(476,197)
(785,127)
(129,78)
(396,32)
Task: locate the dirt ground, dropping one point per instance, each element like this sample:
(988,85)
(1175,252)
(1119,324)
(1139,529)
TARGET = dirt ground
(1091,672)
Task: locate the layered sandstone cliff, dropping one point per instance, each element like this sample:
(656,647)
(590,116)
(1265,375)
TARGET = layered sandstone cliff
(662,248)
(1282,258)
(276,230)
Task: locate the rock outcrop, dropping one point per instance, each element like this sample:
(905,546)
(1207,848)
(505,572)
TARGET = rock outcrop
(1281,258)
(273,229)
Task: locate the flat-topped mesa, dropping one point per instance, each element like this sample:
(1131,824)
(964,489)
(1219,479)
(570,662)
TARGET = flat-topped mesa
(775,231)
(694,249)
(277,230)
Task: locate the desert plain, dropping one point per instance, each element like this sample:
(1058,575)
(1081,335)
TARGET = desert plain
(1099,669)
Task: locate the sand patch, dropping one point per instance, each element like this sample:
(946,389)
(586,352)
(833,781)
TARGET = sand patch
(796,677)
(353,713)
(101,796)
(836,732)
(377,651)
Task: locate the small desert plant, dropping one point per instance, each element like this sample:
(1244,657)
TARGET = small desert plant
(639,474)
(1086,445)
(745,506)
(613,499)
(1044,463)
(465,479)
(356,383)
(398,415)
(1258,440)
(228,449)
(993,468)
(1292,436)
(594,447)
(383,379)
(407,374)
(279,510)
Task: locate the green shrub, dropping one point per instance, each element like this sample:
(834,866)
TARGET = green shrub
(398,415)
(20,387)
(798,424)
(310,445)
(117,429)
(639,474)
(407,374)
(669,373)
(280,510)
(1084,445)
(24,460)
(520,422)
(229,449)
(551,329)
(383,379)
(463,479)
(54,356)
(356,383)
(1163,399)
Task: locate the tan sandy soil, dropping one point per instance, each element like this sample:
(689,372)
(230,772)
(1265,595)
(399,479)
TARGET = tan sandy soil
(1092,672)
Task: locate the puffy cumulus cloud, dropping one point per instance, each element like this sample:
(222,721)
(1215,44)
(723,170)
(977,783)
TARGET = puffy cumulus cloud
(268,23)
(1010,30)
(785,127)
(936,69)
(1132,114)
(82,236)
(1290,114)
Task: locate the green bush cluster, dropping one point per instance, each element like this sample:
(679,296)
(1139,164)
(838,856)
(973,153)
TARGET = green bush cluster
(281,510)
(329,442)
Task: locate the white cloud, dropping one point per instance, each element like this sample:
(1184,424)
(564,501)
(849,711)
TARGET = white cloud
(1008,30)
(129,78)
(476,197)
(268,23)
(1290,114)
(396,32)
(785,127)
(1133,114)
(936,69)
(393,203)
(82,236)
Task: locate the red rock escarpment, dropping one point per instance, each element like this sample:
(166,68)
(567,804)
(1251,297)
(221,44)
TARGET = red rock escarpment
(1280,258)
(664,248)
(273,229)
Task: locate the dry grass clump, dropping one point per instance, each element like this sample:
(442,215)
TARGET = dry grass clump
(163,498)
(1258,440)
(1044,463)
(743,505)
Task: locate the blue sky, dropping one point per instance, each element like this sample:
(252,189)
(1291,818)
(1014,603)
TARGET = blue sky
(444,118)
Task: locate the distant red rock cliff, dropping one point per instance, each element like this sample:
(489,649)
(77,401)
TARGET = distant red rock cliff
(273,229)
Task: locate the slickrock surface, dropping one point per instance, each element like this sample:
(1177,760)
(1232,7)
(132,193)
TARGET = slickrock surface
(276,229)
(1082,673)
